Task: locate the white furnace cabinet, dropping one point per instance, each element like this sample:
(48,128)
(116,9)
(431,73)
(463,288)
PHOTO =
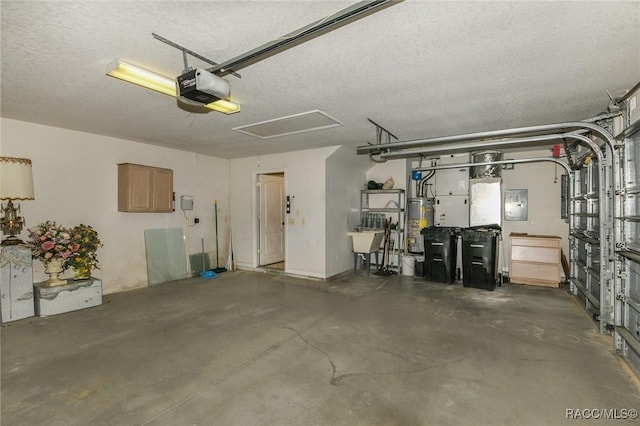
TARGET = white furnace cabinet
(452,211)
(452,193)
(485,202)
(16,283)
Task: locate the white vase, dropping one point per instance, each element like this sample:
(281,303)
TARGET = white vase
(53,267)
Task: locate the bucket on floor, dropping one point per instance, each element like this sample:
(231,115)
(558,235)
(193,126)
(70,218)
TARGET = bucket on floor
(408,265)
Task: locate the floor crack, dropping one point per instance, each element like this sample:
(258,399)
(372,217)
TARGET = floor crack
(322,351)
(335,380)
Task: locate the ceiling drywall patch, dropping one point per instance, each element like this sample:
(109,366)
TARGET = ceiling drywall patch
(290,125)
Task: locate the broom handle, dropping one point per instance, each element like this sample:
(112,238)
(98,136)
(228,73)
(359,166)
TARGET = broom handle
(215,202)
(202,244)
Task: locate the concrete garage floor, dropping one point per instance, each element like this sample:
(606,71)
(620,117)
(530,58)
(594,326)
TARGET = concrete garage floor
(261,349)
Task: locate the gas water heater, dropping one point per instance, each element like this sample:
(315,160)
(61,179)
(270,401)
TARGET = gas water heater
(420,215)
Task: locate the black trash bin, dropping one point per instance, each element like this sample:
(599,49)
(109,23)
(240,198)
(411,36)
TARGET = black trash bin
(419,266)
(439,254)
(479,249)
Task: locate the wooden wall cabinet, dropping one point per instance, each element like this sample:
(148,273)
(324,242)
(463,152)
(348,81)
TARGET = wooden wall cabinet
(144,189)
(535,260)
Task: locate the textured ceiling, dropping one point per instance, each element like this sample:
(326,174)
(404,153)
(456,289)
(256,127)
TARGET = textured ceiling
(420,68)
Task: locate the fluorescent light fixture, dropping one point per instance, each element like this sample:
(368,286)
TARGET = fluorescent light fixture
(150,80)
(141,77)
(224,106)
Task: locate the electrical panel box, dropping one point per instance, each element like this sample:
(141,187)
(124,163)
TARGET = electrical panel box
(186,202)
(516,204)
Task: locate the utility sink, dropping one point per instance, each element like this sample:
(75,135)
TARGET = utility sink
(366,241)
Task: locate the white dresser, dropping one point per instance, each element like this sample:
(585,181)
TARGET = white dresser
(16,283)
(69,297)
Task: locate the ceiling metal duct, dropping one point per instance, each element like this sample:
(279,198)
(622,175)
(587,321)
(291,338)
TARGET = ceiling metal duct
(462,147)
(518,137)
(489,167)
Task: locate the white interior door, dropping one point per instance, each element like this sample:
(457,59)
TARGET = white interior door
(271,218)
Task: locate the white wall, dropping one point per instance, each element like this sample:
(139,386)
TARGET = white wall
(346,175)
(305,227)
(543,187)
(539,179)
(397,169)
(380,172)
(75,181)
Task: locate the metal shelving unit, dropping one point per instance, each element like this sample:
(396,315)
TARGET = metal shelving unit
(373,204)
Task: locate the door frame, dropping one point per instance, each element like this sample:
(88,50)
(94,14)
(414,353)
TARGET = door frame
(256,215)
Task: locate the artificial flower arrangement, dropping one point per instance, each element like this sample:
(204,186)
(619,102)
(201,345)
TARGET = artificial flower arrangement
(77,246)
(86,243)
(49,241)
